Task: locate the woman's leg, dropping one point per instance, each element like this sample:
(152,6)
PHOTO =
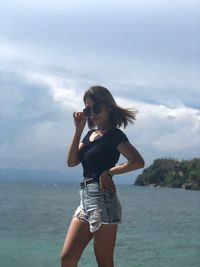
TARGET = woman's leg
(104,244)
(77,238)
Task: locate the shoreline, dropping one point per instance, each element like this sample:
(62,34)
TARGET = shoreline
(188,186)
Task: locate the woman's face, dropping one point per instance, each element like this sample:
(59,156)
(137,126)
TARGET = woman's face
(99,114)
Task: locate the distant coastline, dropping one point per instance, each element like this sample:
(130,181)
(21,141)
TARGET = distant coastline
(169,172)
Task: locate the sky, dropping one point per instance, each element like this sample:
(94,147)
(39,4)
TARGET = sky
(146,52)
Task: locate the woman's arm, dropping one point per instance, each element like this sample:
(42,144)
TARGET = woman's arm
(134,159)
(79,121)
(72,157)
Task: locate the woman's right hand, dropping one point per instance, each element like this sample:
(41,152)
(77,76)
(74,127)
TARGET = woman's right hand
(106,182)
(79,120)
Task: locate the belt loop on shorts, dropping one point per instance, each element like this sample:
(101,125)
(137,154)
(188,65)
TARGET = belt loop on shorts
(84,183)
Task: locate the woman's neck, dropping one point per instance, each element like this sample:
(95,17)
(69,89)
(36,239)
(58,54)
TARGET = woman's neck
(104,128)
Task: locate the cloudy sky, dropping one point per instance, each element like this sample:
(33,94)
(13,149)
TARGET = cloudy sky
(146,52)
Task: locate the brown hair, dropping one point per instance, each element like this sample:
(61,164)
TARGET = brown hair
(118,116)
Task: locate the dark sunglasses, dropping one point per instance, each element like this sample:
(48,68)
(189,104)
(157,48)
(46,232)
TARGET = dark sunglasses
(96,108)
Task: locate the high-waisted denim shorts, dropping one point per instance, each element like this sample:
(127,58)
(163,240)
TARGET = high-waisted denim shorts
(98,206)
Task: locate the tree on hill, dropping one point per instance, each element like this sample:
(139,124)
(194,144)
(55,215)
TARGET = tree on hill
(171,173)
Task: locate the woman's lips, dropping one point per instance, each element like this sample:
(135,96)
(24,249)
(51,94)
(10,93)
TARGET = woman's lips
(94,118)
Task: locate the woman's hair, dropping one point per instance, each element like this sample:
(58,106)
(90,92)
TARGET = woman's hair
(118,116)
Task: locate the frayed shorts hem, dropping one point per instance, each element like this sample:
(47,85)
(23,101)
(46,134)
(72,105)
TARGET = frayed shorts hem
(97,228)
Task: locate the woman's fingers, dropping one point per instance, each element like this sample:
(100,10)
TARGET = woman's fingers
(79,118)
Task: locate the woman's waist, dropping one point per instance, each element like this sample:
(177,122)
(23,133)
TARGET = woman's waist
(87,181)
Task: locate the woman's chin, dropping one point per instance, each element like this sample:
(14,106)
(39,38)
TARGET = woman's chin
(94,120)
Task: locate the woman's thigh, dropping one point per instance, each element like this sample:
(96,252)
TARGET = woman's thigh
(104,244)
(77,238)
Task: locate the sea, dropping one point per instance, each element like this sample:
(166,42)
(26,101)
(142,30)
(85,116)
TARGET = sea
(160,228)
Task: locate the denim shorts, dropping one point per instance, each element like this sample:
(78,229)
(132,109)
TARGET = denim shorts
(98,207)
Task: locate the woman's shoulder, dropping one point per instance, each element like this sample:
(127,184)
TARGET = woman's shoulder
(117,136)
(117,131)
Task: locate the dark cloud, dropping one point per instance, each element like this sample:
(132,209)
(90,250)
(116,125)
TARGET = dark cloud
(24,103)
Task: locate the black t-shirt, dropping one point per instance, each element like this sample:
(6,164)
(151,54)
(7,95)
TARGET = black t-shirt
(100,154)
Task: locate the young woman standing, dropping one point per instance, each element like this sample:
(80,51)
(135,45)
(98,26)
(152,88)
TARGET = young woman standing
(99,211)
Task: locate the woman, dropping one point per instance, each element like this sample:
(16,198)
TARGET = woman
(99,211)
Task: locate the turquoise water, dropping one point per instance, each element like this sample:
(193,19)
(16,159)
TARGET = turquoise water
(161,227)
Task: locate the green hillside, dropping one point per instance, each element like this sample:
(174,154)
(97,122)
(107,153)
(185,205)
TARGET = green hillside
(168,172)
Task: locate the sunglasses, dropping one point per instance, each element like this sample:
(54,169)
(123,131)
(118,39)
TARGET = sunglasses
(96,108)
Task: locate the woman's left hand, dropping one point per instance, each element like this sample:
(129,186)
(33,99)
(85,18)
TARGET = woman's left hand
(106,182)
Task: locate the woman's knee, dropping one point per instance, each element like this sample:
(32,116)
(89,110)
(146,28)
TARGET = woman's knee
(68,260)
(104,259)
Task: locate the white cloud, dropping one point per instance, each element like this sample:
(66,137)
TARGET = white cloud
(186,134)
(150,78)
(170,130)
(61,89)
(159,131)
